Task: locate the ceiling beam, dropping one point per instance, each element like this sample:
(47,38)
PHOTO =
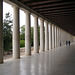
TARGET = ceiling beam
(53,5)
(41,2)
(59,11)
(23,0)
(57,8)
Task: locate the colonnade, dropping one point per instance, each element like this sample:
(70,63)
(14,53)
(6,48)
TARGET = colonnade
(1,31)
(50,41)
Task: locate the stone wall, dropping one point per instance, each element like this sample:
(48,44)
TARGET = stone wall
(65,36)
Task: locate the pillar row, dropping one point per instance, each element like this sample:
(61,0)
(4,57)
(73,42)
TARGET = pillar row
(16,33)
(36,37)
(1,31)
(27,34)
(41,35)
(50,36)
(46,36)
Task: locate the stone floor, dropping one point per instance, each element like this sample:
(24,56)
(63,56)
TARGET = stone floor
(60,61)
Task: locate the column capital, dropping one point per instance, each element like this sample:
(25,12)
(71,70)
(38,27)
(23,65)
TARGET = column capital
(50,23)
(41,18)
(15,6)
(46,21)
(34,15)
(26,11)
(53,25)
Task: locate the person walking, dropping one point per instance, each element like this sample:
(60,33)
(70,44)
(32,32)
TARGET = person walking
(69,43)
(60,43)
(66,42)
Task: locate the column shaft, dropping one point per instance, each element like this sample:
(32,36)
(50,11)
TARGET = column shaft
(28,34)
(1,31)
(16,33)
(57,37)
(42,35)
(50,36)
(46,36)
(36,37)
(53,37)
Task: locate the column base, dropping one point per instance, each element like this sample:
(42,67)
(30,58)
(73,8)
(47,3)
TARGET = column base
(16,57)
(27,54)
(42,50)
(1,62)
(36,52)
(46,49)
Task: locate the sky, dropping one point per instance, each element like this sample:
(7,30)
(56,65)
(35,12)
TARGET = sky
(8,8)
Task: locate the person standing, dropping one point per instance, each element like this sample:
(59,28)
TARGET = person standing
(69,43)
(66,42)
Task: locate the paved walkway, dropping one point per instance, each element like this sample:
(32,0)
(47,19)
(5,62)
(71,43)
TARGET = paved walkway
(60,61)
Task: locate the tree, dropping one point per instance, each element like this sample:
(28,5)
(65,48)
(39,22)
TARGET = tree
(22,36)
(7,32)
(22,33)
(32,36)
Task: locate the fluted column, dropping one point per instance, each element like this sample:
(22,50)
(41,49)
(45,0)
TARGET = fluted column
(36,37)
(1,31)
(27,34)
(50,36)
(53,37)
(60,38)
(16,33)
(57,37)
(46,36)
(41,34)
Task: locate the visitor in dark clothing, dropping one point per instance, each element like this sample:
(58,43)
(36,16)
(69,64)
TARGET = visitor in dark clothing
(66,42)
(69,43)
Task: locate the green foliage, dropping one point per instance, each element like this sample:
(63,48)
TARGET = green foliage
(22,33)
(31,36)
(7,32)
(22,43)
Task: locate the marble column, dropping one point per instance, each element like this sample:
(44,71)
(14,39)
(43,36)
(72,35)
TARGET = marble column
(53,37)
(1,31)
(50,36)
(57,37)
(36,37)
(41,34)
(46,36)
(27,34)
(16,33)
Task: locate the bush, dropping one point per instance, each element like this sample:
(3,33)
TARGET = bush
(22,43)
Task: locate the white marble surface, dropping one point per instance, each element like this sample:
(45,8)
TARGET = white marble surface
(60,61)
